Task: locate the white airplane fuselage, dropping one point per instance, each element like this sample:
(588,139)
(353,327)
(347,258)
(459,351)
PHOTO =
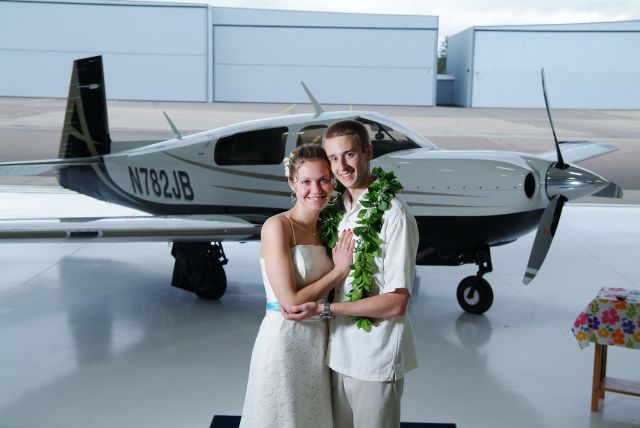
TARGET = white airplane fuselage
(488,197)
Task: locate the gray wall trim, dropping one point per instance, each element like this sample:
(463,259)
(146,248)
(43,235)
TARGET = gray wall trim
(325,27)
(115,3)
(554,31)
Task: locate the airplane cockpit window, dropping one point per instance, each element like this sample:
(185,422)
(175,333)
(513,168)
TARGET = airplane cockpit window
(263,147)
(311,134)
(385,139)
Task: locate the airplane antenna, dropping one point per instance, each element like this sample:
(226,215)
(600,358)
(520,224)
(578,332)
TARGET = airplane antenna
(560,164)
(316,104)
(175,130)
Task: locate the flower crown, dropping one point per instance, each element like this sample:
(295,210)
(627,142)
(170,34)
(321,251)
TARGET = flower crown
(287,162)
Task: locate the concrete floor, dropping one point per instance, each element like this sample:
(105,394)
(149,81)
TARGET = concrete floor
(92,335)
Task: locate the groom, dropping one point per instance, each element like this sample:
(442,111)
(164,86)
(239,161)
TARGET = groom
(368,368)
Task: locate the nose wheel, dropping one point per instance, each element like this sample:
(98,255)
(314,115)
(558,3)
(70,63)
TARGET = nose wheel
(474,293)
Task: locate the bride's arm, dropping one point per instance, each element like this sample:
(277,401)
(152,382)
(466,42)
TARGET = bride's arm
(275,249)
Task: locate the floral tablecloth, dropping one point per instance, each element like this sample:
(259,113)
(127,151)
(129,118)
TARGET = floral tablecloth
(612,318)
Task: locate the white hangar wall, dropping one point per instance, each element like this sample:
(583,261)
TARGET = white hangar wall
(262,55)
(150,51)
(193,52)
(593,66)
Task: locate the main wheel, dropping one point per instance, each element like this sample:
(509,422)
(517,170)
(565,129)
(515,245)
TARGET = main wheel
(213,282)
(199,268)
(474,295)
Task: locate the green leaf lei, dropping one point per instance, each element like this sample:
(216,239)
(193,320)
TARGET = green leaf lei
(374,203)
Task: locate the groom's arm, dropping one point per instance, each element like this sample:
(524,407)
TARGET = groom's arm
(387,305)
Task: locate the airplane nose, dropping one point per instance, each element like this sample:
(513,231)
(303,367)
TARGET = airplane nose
(573,182)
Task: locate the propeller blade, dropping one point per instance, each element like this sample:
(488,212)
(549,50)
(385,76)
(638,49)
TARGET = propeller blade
(560,164)
(544,236)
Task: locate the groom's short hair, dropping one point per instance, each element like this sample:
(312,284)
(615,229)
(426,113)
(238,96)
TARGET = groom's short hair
(350,128)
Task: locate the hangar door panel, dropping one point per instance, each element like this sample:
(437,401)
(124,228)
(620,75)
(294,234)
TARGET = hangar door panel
(340,65)
(582,69)
(150,52)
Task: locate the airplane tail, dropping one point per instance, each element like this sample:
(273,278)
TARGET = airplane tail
(86,129)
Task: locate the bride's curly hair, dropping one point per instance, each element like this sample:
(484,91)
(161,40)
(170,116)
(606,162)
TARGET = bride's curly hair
(303,153)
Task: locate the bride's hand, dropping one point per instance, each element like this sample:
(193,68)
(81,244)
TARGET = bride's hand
(342,252)
(300,312)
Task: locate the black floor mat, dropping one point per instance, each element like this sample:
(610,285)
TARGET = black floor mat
(233,422)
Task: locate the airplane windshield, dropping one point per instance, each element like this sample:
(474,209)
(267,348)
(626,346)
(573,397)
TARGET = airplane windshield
(385,139)
(311,134)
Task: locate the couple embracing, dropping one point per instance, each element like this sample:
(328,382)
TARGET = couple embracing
(348,372)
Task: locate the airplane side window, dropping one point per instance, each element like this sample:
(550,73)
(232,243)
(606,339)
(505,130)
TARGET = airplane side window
(262,147)
(385,139)
(311,134)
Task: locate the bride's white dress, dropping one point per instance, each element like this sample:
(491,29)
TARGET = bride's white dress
(289,385)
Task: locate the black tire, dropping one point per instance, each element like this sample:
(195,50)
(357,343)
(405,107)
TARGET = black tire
(213,284)
(480,300)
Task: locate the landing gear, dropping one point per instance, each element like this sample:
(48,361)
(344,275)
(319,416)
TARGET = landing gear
(474,292)
(474,295)
(198,268)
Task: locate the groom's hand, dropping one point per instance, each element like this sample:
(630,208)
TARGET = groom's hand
(300,312)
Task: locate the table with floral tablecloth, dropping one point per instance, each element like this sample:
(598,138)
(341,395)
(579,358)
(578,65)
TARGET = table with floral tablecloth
(612,318)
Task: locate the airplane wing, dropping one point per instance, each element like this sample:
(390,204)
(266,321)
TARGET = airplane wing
(128,228)
(49,213)
(576,151)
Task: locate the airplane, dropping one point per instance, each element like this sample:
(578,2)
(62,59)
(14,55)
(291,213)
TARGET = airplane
(222,184)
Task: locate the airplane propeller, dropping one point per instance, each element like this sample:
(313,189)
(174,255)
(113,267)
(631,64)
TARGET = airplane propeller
(563,182)
(544,236)
(560,163)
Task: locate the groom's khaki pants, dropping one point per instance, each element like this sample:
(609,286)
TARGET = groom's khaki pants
(362,404)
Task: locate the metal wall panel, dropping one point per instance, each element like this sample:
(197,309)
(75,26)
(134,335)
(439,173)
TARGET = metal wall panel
(340,65)
(151,52)
(190,52)
(583,69)
(290,18)
(460,64)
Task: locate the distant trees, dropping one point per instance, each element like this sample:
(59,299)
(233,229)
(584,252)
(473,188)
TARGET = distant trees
(442,57)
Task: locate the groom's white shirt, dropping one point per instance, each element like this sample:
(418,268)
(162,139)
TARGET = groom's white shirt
(388,351)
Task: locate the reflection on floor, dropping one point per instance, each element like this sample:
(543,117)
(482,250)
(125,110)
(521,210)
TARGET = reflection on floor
(92,335)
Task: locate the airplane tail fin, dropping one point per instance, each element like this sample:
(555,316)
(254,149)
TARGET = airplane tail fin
(86,128)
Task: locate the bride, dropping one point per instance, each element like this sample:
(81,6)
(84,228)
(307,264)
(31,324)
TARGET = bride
(289,384)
